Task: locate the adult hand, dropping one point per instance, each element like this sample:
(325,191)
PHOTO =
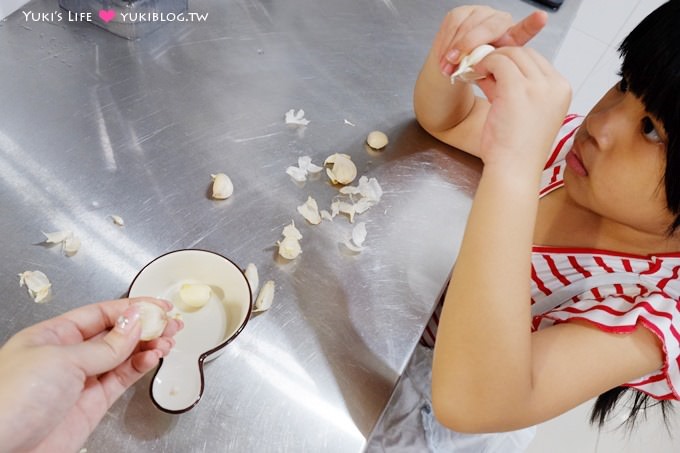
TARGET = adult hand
(59,377)
(467,27)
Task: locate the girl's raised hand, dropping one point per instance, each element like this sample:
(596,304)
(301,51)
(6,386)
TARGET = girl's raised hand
(467,27)
(529,100)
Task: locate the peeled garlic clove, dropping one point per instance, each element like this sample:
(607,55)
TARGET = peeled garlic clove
(289,231)
(377,140)
(310,211)
(253,278)
(37,283)
(57,236)
(464,71)
(289,248)
(266,296)
(71,245)
(195,295)
(153,320)
(342,170)
(222,186)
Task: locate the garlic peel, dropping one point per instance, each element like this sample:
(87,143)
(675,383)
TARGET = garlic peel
(153,320)
(265,297)
(296,118)
(465,73)
(37,283)
(310,211)
(340,168)
(70,244)
(223,188)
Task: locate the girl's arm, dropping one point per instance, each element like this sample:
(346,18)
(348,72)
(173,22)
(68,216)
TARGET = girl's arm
(490,373)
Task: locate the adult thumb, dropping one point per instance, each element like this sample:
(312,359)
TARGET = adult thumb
(105,352)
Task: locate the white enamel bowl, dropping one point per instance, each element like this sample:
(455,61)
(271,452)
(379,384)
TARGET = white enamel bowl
(178,383)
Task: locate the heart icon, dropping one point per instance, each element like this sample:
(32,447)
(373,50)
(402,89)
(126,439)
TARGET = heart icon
(107,15)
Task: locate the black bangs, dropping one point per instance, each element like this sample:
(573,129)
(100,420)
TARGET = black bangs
(651,67)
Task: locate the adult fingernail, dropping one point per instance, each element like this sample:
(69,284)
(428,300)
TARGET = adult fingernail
(452,56)
(127,320)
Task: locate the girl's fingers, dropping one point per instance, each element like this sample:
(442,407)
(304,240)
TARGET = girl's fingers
(523,31)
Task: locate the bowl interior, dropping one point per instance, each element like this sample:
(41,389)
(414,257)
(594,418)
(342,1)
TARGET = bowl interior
(178,383)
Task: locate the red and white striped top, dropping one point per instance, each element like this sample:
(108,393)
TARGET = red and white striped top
(653,301)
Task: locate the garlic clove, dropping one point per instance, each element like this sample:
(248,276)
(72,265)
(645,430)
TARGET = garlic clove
(37,283)
(222,186)
(289,248)
(291,231)
(195,295)
(71,245)
(153,320)
(252,277)
(377,140)
(265,297)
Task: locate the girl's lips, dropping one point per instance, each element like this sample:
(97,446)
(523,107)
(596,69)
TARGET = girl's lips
(574,162)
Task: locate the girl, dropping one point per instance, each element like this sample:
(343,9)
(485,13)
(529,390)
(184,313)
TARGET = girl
(567,285)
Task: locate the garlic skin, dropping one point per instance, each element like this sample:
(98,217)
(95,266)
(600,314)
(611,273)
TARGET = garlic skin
(377,140)
(356,242)
(342,170)
(153,320)
(296,118)
(253,278)
(195,295)
(305,167)
(465,73)
(37,283)
(222,186)
(265,297)
(310,211)
(70,244)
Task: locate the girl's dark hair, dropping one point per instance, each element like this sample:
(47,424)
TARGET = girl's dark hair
(651,68)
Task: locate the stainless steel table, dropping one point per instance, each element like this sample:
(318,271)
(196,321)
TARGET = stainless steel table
(93,125)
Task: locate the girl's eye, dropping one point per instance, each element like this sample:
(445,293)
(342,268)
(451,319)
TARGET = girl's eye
(649,130)
(623,85)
